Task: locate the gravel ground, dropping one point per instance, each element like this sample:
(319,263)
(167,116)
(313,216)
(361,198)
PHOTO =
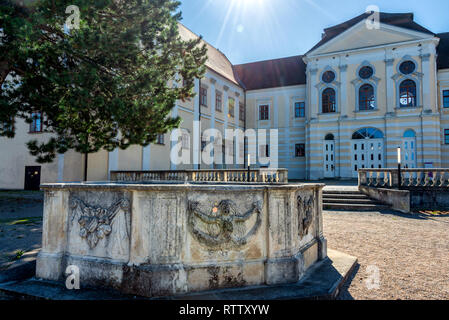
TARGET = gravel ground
(409,253)
(20,226)
(20,204)
(20,241)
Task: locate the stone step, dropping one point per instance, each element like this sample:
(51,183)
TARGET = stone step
(353,207)
(344,192)
(344,196)
(350,201)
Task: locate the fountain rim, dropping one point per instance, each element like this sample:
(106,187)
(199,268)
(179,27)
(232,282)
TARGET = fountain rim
(176,185)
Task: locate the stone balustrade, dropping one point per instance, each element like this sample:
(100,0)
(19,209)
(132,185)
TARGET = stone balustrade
(274,176)
(410,178)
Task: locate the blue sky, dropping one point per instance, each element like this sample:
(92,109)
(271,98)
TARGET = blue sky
(253,30)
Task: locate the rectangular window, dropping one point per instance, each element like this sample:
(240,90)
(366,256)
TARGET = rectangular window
(446,136)
(218,101)
(446,99)
(264,112)
(36,123)
(300,109)
(264,151)
(231,109)
(242,111)
(300,150)
(185,140)
(203,97)
(160,139)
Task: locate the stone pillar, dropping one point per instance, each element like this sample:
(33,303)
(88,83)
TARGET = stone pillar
(54,235)
(174,112)
(313,101)
(196,126)
(226,118)
(343,91)
(237,123)
(213,102)
(61,167)
(146,158)
(390,87)
(113,162)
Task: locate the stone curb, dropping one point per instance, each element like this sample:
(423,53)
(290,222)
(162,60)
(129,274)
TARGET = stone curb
(322,282)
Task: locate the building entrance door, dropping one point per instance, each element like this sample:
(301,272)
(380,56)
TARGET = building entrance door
(329,157)
(32,178)
(409,150)
(367,150)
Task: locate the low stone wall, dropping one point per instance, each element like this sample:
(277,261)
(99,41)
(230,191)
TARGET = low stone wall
(433,199)
(167,239)
(398,199)
(413,199)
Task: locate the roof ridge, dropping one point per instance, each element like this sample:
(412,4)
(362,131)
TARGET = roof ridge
(268,60)
(384,15)
(206,42)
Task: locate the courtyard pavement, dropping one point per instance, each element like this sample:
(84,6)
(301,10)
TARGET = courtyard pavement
(400,256)
(20,227)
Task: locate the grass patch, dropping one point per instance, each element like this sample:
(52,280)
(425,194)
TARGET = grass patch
(434,212)
(17,255)
(22,221)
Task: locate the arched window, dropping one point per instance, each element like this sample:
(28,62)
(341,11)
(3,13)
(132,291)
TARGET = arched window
(407,93)
(328,100)
(329,137)
(409,134)
(367,133)
(366,97)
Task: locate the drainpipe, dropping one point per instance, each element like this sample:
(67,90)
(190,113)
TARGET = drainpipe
(199,119)
(245,147)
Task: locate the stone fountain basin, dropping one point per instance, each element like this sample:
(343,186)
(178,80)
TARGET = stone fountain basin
(160,239)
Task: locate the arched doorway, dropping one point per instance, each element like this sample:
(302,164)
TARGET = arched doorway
(329,156)
(409,149)
(367,150)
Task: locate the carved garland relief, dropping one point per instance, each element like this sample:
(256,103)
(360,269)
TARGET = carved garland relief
(305,214)
(223,227)
(96,222)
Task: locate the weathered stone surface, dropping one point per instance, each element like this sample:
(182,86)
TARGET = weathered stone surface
(168,239)
(398,199)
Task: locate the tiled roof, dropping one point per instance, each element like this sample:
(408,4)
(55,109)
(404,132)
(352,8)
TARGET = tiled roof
(216,61)
(272,73)
(443,51)
(292,70)
(402,20)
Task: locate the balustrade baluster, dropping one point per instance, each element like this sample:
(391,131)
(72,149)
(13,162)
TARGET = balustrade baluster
(434,179)
(442,174)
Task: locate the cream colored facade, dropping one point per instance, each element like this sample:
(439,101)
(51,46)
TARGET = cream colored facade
(383,50)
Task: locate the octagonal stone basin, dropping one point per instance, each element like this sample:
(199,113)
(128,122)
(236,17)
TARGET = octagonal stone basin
(166,239)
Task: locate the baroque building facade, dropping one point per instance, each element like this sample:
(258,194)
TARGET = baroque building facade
(346,104)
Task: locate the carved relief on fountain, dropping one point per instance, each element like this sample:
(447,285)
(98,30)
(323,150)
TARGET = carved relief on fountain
(305,209)
(224,225)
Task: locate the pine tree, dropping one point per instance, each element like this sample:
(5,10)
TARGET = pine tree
(111,83)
